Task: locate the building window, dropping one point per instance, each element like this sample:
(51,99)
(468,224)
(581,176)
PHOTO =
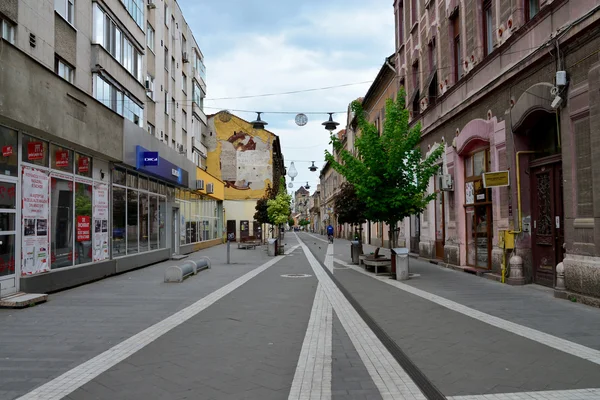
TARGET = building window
(63,69)
(66,9)
(107,34)
(432,84)
(151,129)
(167,107)
(532,7)
(198,95)
(183,82)
(166,14)
(173,67)
(166,59)
(7,30)
(199,66)
(456,47)
(488,44)
(416,87)
(150,37)
(400,22)
(117,101)
(414,12)
(135,8)
(183,120)
(150,86)
(173,108)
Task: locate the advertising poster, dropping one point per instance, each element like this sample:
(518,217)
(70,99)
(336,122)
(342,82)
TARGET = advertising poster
(100,222)
(36,199)
(84,233)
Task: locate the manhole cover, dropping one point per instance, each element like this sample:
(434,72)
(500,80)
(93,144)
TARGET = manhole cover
(296,275)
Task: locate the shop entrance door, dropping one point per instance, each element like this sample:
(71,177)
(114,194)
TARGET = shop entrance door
(244,229)
(9,252)
(548,227)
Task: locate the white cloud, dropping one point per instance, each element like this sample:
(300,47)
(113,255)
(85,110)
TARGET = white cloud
(279,62)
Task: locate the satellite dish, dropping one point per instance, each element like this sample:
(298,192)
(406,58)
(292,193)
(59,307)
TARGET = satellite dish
(301,119)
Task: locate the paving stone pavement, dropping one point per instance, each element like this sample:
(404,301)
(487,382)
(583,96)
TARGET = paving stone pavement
(40,343)
(351,380)
(533,306)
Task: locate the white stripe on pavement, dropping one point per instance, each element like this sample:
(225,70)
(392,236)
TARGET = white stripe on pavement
(577,394)
(557,343)
(84,373)
(312,379)
(391,380)
(329,257)
(291,250)
(318,238)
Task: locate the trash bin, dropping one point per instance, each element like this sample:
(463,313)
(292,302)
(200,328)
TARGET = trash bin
(355,251)
(272,247)
(400,263)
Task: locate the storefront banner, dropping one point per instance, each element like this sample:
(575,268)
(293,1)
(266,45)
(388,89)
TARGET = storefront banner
(62,158)
(7,151)
(35,151)
(84,233)
(100,222)
(36,197)
(58,175)
(83,164)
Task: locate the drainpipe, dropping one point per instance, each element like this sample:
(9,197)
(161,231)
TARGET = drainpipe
(390,65)
(519,190)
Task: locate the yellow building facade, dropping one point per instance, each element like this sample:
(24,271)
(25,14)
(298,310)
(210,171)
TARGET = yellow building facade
(247,161)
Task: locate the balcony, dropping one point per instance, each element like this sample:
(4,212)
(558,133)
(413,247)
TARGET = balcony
(197,144)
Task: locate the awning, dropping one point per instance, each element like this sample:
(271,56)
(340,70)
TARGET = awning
(431,77)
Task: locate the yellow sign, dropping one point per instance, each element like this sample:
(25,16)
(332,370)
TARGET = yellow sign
(495,179)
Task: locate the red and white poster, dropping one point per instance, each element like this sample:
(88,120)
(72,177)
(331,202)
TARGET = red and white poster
(35,151)
(36,197)
(84,232)
(100,222)
(62,158)
(83,164)
(7,151)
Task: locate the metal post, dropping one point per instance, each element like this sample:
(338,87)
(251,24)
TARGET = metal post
(228,249)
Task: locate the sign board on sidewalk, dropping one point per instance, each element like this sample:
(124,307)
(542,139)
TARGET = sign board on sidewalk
(496,179)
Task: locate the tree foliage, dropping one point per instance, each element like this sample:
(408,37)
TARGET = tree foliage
(291,221)
(348,207)
(304,222)
(388,172)
(278,209)
(262,215)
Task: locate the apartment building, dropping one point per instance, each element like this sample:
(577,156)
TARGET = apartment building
(508,87)
(90,185)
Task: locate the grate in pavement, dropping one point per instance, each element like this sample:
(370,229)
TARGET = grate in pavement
(296,275)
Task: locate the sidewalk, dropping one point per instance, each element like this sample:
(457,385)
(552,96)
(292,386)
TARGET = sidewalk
(533,306)
(75,325)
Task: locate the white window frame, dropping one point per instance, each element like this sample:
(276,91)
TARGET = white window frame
(64,70)
(150,91)
(66,9)
(167,103)
(151,129)
(184,82)
(7,31)
(150,35)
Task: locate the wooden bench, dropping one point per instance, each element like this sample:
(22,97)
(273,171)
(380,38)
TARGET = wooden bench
(374,256)
(248,242)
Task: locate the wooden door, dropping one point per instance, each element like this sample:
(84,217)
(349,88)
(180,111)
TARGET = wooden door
(257,230)
(231,230)
(547,216)
(244,229)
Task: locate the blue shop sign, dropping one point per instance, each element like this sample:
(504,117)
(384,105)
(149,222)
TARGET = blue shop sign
(162,168)
(150,158)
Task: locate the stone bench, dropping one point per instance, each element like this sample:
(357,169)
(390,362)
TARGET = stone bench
(248,242)
(377,263)
(374,256)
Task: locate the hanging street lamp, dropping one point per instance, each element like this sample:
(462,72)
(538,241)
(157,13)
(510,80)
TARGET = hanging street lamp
(259,123)
(313,167)
(330,125)
(307,186)
(292,171)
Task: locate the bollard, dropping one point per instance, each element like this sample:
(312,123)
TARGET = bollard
(228,250)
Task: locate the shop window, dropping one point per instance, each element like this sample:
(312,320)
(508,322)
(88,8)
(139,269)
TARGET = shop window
(119,177)
(154,222)
(132,180)
(83,165)
(162,217)
(61,158)
(143,228)
(83,219)
(61,200)
(143,183)
(9,163)
(35,151)
(118,221)
(132,221)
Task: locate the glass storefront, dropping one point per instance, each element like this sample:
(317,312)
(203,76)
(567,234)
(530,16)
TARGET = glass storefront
(139,211)
(478,210)
(199,216)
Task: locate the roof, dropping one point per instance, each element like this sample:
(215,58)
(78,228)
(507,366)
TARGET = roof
(381,77)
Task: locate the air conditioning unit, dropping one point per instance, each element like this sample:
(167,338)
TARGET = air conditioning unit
(200,184)
(151,4)
(446,183)
(149,86)
(162,135)
(185,58)
(180,147)
(210,188)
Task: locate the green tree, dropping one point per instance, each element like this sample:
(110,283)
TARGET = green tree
(262,215)
(291,222)
(388,171)
(348,207)
(304,222)
(278,209)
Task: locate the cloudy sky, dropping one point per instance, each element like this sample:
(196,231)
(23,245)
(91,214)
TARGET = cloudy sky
(255,47)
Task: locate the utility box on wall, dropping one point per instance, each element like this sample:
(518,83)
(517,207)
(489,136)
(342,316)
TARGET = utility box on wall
(506,240)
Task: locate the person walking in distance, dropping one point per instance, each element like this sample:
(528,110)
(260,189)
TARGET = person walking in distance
(330,233)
